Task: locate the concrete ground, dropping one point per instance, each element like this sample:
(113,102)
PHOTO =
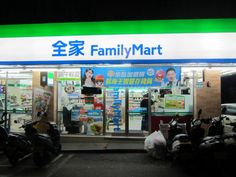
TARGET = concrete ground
(108,164)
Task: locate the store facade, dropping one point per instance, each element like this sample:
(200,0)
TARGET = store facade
(114,78)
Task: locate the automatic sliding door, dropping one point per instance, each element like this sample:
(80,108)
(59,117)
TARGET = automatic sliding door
(3,95)
(115,111)
(19,99)
(137,112)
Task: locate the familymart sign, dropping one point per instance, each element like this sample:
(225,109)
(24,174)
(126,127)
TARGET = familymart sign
(119,48)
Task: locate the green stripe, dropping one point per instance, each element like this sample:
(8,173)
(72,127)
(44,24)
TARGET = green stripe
(19,85)
(68,79)
(119,27)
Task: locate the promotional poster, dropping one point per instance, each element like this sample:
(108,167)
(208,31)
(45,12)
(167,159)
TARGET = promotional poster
(131,77)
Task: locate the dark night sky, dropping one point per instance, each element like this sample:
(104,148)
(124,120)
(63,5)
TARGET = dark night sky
(228,89)
(40,11)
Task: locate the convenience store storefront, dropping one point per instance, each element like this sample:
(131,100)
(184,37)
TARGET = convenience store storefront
(91,77)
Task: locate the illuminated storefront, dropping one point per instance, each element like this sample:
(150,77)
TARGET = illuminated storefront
(92,77)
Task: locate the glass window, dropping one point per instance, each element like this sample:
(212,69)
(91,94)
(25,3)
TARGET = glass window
(19,99)
(115,110)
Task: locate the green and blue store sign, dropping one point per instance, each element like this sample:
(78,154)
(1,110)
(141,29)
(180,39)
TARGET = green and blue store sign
(136,42)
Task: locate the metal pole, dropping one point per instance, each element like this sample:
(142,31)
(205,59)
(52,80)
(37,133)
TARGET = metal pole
(149,111)
(194,94)
(6,124)
(104,112)
(126,111)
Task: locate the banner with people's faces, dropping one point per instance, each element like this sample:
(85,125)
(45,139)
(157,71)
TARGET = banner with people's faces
(166,76)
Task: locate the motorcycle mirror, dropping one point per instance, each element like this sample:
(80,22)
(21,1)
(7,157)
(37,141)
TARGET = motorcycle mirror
(4,114)
(224,109)
(199,112)
(177,115)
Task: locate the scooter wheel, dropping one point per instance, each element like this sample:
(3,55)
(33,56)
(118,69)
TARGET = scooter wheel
(13,160)
(12,155)
(58,149)
(42,158)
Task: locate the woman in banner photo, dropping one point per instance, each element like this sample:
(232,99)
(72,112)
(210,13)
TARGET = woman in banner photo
(171,76)
(88,79)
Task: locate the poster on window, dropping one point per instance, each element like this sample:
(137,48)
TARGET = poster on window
(69,75)
(131,77)
(41,100)
(174,102)
(69,83)
(19,95)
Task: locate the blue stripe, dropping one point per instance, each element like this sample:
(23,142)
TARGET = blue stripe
(138,61)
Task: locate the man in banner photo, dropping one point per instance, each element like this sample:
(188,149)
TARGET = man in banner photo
(172,81)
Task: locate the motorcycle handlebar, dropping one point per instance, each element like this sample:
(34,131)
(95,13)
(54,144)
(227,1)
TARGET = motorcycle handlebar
(3,115)
(231,123)
(29,122)
(2,121)
(223,117)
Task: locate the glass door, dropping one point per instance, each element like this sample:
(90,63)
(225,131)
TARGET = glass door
(3,97)
(19,99)
(115,111)
(138,111)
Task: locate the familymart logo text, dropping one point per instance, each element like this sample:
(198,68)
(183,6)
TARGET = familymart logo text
(77,48)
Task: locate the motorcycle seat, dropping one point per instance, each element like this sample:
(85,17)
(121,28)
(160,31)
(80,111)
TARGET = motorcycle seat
(43,135)
(181,137)
(229,135)
(207,138)
(18,134)
(233,124)
(211,139)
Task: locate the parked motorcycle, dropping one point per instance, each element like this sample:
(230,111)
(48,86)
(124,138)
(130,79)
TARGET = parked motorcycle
(179,143)
(230,141)
(185,145)
(217,144)
(18,146)
(217,127)
(3,133)
(46,146)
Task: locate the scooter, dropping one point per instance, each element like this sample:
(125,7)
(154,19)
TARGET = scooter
(179,142)
(185,145)
(174,128)
(215,131)
(230,141)
(43,146)
(46,146)
(17,146)
(217,127)
(217,144)
(3,133)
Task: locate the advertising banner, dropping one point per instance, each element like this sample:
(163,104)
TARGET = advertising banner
(41,100)
(174,102)
(69,75)
(69,83)
(131,77)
